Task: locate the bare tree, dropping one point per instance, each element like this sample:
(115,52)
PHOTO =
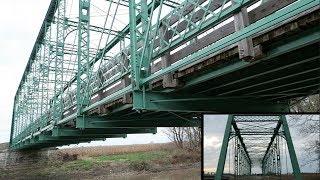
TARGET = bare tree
(309,125)
(309,128)
(176,135)
(193,137)
(188,138)
(306,104)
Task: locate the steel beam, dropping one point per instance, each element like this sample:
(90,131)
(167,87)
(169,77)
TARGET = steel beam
(292,153)
(72,138)
(189,103)
(57,107)
(84,72)
(259,26)
(108,131)
(224,148)
(100,122)
(246,149)
(238,134)
(59,62)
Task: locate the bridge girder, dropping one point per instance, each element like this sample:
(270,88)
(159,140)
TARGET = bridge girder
(269,156)
(187,61)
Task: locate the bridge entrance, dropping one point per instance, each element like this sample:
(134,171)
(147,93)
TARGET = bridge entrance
(257,145)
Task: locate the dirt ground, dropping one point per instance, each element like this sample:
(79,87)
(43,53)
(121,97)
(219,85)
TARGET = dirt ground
(125,162)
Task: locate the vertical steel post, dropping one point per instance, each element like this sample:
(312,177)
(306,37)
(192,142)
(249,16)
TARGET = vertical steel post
(144,59)
(39,86)
(236,157)
(141,59)
(36,86)
(224,148)
(292,153)
(84,68)
(58,85)
(47,59)
(135,75)
(278,157)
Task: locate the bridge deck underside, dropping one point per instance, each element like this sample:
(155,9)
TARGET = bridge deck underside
(286,66)
(274,76)
(294,74)
(119,124)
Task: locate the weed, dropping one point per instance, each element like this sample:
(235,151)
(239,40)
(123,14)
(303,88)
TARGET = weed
(77,165)
(139,166)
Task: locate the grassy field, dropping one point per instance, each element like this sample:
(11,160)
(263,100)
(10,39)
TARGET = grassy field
(121,149)
(107,161)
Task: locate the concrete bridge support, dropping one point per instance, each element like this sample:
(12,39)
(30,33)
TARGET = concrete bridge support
(12,158)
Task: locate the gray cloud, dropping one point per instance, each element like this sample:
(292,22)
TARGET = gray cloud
(214,126)
(20,25)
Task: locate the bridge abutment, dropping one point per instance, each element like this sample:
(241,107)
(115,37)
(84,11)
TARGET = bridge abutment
(12,158)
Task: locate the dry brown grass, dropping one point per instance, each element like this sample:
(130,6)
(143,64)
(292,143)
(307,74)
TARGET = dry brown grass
(112,150)
(103,160)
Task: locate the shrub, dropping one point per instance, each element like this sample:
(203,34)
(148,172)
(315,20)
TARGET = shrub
(139,165)
(68,157)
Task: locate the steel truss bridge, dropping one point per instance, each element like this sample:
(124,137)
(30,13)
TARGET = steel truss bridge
(102,69)
(257,143)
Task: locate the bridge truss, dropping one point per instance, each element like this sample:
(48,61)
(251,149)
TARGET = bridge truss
(104,69)
(256,141)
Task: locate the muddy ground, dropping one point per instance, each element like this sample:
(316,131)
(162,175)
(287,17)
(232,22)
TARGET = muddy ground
(156,162)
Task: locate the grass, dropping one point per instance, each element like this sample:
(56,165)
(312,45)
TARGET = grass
(77,165)
(112,150)
(131,157)
(136,161)
(137,157)
(118,159)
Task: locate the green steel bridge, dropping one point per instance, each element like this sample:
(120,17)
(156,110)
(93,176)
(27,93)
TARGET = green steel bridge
(257,141)
(107,68)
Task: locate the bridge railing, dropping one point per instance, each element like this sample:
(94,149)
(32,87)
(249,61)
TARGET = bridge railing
(162,47)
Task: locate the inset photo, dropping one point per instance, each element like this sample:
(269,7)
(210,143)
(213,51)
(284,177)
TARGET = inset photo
(118,89)
(261,147)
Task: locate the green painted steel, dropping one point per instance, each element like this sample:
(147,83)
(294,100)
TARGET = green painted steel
(257,139)
(84,73)
(267,22)
(224,147)
(61,132)
(198,103)
(59,61)
(168,121)
(133,46)
(168,59)
(292,153)
(84,68)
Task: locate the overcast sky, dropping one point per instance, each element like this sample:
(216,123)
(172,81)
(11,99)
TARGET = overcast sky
(20,23)
(214,126)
